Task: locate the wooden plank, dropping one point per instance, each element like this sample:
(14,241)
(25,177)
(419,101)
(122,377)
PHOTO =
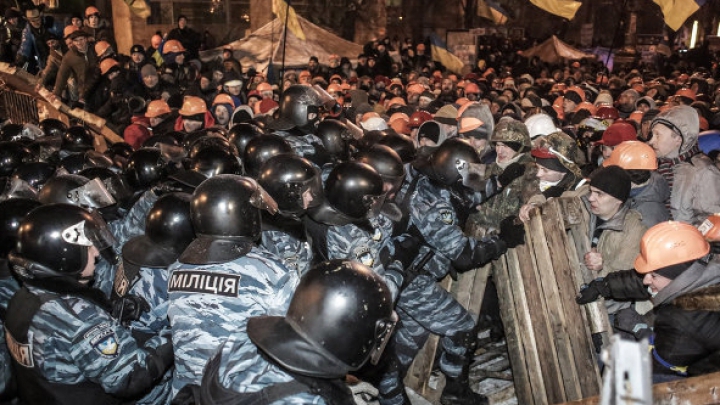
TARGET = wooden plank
(540,281)
(583,369)
(512,325)
(702,390)
(469,290)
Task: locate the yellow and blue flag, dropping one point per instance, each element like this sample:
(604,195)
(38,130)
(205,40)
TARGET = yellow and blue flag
(441,54)
(677,11)
(563,8)
(280,8)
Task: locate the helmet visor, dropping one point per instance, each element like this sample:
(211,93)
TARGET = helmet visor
(92,194)
(92,232)
(18,188)
(261,199)
(373,204)
(306,194)
(383,332)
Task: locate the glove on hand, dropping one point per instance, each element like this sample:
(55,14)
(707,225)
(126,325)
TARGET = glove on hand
(512,172)
(364,393)
(511,232)
(591,292)
(129,308)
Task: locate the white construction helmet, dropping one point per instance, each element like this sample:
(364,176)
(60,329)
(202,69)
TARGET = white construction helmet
(540,124)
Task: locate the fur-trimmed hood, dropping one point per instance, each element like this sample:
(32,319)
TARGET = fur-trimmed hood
(704,299)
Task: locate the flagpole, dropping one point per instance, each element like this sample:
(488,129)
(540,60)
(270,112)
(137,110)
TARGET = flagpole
(612,44)
(287,15)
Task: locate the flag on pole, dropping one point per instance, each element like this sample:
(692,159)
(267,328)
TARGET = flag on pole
(677,11)
(563,8)
(139,7)
(441,54)
(280,7)
(492,11)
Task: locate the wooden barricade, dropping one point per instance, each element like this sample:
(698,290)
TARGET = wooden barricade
(549,335)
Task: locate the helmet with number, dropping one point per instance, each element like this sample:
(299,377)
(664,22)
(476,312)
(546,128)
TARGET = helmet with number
(299,108)
(36,174)
(633,155)
(448,159)
(157,108)
(240,134)
(53,127)
(355,190)
(53,241)
(76,190)
(403,145)
(335,137)
(12,211)
(669,243)
(225,213)
(512,131)
(101,47)
(607,113)
(293,182)
(173,46)
(77,139)
(262,148)
(168,231)
(12,156)
(341,315)
(145,168)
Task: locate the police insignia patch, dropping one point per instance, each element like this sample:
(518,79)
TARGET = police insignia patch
(377,235)
(446,216)
(107,346)
(103,339)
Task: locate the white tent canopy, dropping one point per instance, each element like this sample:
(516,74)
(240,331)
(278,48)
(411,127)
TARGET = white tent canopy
(266,44)
(554,51)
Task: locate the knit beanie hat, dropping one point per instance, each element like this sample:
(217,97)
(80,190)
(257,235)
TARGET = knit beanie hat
(612,180)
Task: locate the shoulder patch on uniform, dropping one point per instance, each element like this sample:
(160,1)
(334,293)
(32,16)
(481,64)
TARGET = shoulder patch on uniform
(21,352)
(364,256)
(446,216)
(121,283)
(204,282)
(102,338)
(377,235)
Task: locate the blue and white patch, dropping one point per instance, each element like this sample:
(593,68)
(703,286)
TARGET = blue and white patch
(377,235)
(447,216)
(364,256)
(103,339)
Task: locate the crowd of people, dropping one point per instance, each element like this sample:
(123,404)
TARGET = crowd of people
(259,242)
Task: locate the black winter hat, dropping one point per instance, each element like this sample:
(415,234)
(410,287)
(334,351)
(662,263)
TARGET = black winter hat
(613,180)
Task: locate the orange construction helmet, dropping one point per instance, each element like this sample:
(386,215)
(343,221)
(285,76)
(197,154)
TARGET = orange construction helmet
(669,243)
(192,106)
(580,92)
(264,86)
(636,116)
(107,64)
(586,105)
(222,98)
(332,88)
(91,11)
(415,88)
(687,93)
(69,30)
(172,45)
(471,88)
(710,228)
(157,108)
(633,155)
(101,47)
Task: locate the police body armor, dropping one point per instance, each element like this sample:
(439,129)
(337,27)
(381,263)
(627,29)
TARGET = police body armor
(33,388)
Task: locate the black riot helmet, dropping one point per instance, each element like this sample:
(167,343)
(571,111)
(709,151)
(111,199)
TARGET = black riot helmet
(210,141)
(168,231)
(119,153)
(36,174)
(240,134)
(299,108)
(225,213)
(164,139)
(387,163)
(335,137)
(12,155)
(76,190)
(213,160)
(145,168)
(12,211)
(402,144)
(341,315)
(11,132)
(77,162)
(262,148)
(370,138)
(53,241)
(53,127)
(449,161)
(293,182)
(355,189)
(77,139)
(113,182)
